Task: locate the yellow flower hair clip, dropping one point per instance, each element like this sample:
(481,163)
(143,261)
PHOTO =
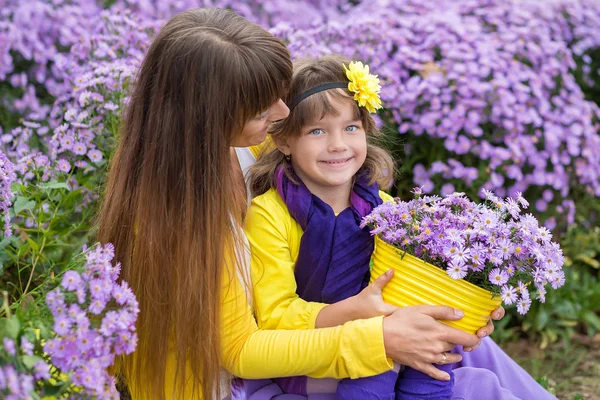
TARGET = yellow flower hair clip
(364,85)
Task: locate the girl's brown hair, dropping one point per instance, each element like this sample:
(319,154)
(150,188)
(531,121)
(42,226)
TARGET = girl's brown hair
(167,206)
(309,73)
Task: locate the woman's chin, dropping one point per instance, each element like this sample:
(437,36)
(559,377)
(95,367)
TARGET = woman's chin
(258,140)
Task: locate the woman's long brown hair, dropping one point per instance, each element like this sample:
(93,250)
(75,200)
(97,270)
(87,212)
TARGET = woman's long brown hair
(168,205)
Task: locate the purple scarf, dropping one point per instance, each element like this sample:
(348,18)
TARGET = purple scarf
(333,261)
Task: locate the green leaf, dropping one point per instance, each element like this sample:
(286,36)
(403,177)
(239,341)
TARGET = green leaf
(591,318)
(23,203)
(17,187)
(33,244)
(543,381)
(542,319)
(589,261)
(9,327)
(50,390)
(30,361)
(44,332)
(54,185)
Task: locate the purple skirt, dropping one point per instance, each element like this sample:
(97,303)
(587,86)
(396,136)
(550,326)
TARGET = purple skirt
(486,373)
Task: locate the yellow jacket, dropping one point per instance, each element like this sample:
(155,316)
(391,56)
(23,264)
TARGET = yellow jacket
(274,238)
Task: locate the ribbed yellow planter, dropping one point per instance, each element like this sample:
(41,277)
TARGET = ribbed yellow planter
(417,282)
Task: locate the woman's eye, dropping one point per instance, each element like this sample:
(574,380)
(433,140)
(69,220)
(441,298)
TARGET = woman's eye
(316,132)
(351,128)
(262,116)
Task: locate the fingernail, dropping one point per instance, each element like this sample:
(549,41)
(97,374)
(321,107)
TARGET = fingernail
(459,313)
(497,315)
(446,377)
(483,334)
(389,272)
(467,349)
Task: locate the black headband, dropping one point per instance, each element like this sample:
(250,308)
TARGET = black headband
(316,89)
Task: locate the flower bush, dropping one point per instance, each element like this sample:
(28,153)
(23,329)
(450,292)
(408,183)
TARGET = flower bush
(7,176)
(477,93)
(483,84)
(490,245)
(65,344)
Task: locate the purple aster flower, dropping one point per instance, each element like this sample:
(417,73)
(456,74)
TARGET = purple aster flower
(7,177)
(62,325)
(523,305)
(67,142)
(71,280)
(79,148)
(498,277)
(457,270)
(505,249)
(41,370)
(97,306)
(94,155)
(64,165)
(508,294)
(9,346)
(541,293)
(447,189)
(26,346)
(558,280)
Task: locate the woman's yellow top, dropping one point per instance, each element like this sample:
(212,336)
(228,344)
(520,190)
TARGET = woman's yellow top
(251,353)
(248,352)
(274,238)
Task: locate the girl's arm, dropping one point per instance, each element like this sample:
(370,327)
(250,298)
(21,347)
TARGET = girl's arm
(355,349)
(274,242)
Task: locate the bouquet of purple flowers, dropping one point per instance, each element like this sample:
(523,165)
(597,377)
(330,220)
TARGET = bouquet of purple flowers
(491,245)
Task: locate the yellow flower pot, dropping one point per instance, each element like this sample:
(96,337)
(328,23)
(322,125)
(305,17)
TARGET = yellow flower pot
(417,282)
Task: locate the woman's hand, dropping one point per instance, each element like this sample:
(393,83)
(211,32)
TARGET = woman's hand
(413,337)
(487,330)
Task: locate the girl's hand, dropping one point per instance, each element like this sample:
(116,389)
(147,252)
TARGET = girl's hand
(369,302)
(413,336)
(487,330)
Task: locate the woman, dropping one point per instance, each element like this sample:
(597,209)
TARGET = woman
(174,202)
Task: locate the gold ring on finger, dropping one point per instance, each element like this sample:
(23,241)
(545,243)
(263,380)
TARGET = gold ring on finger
(444,358)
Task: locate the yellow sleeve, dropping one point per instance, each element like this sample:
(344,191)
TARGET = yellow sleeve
(264,146)
(384,196)
(353,350)
(276,303)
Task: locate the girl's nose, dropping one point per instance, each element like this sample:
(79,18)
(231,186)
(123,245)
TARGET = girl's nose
(336,142)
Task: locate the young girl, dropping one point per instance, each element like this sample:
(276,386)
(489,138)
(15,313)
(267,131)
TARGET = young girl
(326,174)
(313,187)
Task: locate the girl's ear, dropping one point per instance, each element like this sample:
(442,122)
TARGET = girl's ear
(283,146)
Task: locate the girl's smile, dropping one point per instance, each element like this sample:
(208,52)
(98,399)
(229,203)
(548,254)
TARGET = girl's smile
(337,163)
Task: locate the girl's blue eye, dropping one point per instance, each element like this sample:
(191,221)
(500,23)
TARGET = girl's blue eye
(316,132)
(351,128)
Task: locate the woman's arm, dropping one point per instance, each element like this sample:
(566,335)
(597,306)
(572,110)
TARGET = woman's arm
(354,350)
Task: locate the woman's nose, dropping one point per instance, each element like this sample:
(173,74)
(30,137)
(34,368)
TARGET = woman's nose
(279,110)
